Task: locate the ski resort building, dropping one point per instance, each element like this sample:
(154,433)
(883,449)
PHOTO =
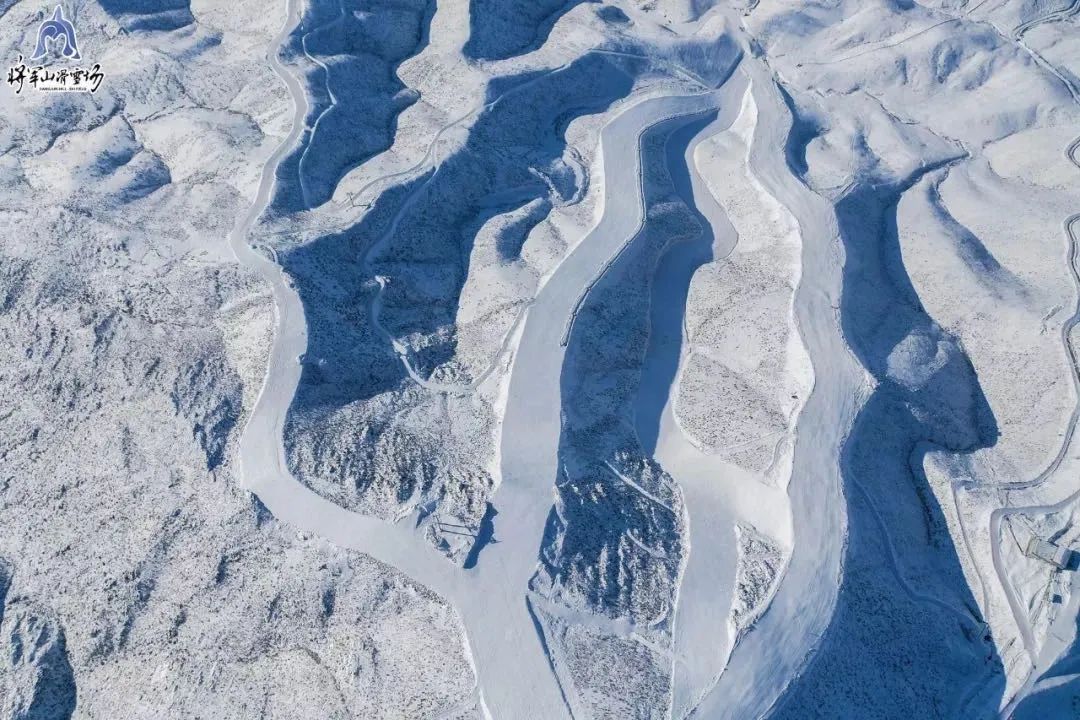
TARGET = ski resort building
(1047,551)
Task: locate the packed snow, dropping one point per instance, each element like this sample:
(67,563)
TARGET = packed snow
(542,359)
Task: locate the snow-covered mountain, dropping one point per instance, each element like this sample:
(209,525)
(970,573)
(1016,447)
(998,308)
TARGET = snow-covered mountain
(540,359)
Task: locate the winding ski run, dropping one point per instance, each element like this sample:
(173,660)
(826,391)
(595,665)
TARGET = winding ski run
(510,659)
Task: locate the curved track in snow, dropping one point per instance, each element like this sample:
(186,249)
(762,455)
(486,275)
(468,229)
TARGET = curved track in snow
(765,660)
(715,497)
(1031,493)
(1028,491)
(494,620)
(511,661)
(1053,16)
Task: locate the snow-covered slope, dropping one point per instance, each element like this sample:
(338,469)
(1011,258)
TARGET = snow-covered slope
(139,580)
(485,358)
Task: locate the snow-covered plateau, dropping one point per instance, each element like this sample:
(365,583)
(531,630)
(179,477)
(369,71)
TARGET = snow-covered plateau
(539,359)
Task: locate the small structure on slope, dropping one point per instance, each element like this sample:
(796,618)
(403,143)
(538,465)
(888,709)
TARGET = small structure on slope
(1044,550)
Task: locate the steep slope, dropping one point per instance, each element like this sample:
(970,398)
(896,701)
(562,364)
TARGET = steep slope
(348,53)
(909,181)
(637,358)
(138,579)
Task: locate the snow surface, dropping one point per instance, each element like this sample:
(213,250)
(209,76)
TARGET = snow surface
(541,359)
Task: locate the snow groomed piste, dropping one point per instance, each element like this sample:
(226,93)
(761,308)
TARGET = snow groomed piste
(511,661)
(625,358)
(747,674)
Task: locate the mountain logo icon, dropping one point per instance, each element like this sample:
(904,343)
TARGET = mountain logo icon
(49,32)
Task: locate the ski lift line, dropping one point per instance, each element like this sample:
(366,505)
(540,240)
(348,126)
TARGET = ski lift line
(635,486)
(652,552)
(457,532)
(442,524)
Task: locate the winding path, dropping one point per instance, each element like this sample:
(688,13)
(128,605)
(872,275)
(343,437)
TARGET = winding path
(1033,488)
(765,660)
(716,495)
(1053,16)
(1043,658)
(511,661)
(1071,225)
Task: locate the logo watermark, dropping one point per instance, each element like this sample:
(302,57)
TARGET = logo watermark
(56,43)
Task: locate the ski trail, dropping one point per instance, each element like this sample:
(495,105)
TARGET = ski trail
(509,657)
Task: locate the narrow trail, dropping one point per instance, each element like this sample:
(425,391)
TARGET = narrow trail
(1030,490)
(1018,38)
(429,162)
(716,495)
(402,351)
(817,333)
(700,635)
(533,421)
(305,196)
(1054,16)
(894,564)
(492,608)
(1072,224)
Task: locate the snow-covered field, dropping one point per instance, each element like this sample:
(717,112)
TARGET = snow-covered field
(542,359)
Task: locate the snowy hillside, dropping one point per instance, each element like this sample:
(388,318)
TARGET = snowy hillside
(540,359)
